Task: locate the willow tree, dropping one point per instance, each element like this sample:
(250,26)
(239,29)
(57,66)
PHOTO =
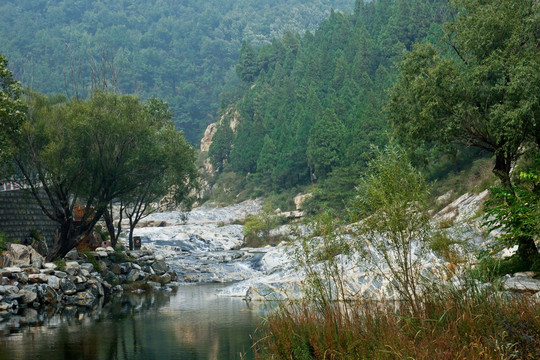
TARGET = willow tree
(480,88)
(88,153)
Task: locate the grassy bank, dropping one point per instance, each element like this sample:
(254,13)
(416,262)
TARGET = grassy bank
(451,325)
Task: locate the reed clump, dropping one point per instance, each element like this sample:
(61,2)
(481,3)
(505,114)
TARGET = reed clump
(450,324)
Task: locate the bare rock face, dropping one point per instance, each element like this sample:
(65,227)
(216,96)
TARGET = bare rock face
(300,199)
(206,141)
(233,117)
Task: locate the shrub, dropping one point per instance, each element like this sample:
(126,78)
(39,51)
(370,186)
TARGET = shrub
(394,230)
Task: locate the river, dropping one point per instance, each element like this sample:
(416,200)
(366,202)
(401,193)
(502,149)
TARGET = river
(192,322)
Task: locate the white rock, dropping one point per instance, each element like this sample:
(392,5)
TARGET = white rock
(50,266)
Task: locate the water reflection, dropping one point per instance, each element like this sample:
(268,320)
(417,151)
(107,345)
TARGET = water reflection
(192,323)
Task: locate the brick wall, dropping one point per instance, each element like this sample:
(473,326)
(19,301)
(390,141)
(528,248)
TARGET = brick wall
(20,213)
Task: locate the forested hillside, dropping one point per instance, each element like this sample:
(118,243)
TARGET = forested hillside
(181,51)
(312,104)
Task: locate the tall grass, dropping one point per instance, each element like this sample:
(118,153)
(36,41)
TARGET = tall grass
(451,325)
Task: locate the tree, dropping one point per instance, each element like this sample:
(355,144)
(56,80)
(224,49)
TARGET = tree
(482,91)
(394,229)
(324,150)
(165,167)
(11,111)
(86,154)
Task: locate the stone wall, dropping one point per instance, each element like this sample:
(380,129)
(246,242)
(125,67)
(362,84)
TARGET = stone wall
(20,213)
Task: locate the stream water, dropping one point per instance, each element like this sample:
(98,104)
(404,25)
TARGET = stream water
(190,323)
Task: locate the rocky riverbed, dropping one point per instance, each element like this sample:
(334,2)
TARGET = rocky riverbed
(207,247)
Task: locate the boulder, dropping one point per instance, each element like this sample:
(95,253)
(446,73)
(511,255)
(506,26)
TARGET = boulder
(31,270)
(134,275)
(160,267)
(21,277)
(522,284)
(27,296)
(54,282)
(88,267)
(67,286)
(51,266)
(38,278)
(165,278)
(73,254)
(18,254)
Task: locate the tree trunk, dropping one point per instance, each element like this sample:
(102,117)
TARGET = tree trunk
(64,243)
(527,250)
(502,169)
(109,222)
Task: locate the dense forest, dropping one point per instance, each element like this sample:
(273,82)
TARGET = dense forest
(181,51)
(311,105)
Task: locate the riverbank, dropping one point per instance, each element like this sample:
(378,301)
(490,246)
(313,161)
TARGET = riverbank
(81,279)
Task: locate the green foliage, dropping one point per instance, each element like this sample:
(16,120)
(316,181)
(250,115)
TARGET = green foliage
(36,234)
(394,230)
(60,264)
(479,90)
(257,228)
(325,145)
(311,104)
(221,146)
(4,240)
(93,151)
(11,112)
(490,268)
(516,212)
(318,251)
(183,52)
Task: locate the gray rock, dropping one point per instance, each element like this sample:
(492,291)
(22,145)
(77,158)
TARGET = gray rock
(7,271)
(21,277)
(73,254)
(96,288)
(50,266)
(37,262)
(160,267)
(88,267)
(8,290)
(38,278)
(522,283)
(72,267)
(47,271)
(67,286)
(134,275)
(165,278)
(60,274)
(18,254)
(54,282)
(27,296)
